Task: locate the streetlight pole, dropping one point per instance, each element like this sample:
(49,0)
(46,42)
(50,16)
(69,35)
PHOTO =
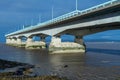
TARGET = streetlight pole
(23,26)
(76,5)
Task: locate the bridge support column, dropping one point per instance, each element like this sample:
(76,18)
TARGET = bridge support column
(30,44)
(8,41)
(55,41)
(29,41)
(79,40)
(20,43)
(56,46)
(13,42)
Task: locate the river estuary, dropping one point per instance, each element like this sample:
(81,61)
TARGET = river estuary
(100,62)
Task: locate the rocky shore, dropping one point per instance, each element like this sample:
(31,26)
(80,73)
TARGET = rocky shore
(10,64)
(24,72)
(5,77)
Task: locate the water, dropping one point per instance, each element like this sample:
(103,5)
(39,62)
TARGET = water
(100,62)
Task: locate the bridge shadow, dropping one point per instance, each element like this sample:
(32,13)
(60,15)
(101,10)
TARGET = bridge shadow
(104,51)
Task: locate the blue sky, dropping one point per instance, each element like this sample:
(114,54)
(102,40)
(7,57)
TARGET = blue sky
(16,13)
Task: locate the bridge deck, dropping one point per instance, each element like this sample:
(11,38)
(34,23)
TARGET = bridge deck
(68,16)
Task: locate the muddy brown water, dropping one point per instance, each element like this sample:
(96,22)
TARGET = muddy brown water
(100,62)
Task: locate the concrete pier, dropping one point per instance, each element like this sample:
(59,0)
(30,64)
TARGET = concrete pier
(79,40)
(8,40)
(19,43)
(16,42)
(11,41)
(30,44)
(56,46)
(35,45)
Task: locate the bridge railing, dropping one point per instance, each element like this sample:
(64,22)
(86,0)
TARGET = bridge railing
(69,15)
(66,16)
(106,4)
(60,18)
(77,12)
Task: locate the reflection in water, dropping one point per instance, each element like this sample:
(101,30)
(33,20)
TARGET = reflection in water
(78,65)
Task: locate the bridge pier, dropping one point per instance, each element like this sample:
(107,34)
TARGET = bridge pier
(8,41)
(30,44)
(19,43)
(56,46)
(12,42)
(79,40)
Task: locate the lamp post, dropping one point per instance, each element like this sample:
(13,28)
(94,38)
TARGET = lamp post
(76,5)
(23,26)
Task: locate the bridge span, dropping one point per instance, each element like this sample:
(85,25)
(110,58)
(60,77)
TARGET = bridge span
(99,18)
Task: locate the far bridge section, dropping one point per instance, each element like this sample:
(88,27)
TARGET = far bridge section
(99,18)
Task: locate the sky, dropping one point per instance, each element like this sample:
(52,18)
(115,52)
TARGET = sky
(16,13)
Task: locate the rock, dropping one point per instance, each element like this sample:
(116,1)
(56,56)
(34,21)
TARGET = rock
(19,71)
(30,66)
(65,66)
(24,70)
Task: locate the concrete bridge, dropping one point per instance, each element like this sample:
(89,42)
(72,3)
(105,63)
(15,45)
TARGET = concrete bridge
(99,18)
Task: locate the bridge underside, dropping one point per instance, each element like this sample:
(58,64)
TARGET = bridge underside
(92,29)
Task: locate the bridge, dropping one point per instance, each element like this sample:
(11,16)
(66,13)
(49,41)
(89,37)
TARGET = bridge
(99,18)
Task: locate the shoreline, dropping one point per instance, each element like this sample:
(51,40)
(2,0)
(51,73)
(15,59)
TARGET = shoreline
(4,64)
(10,64)
(92,72)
